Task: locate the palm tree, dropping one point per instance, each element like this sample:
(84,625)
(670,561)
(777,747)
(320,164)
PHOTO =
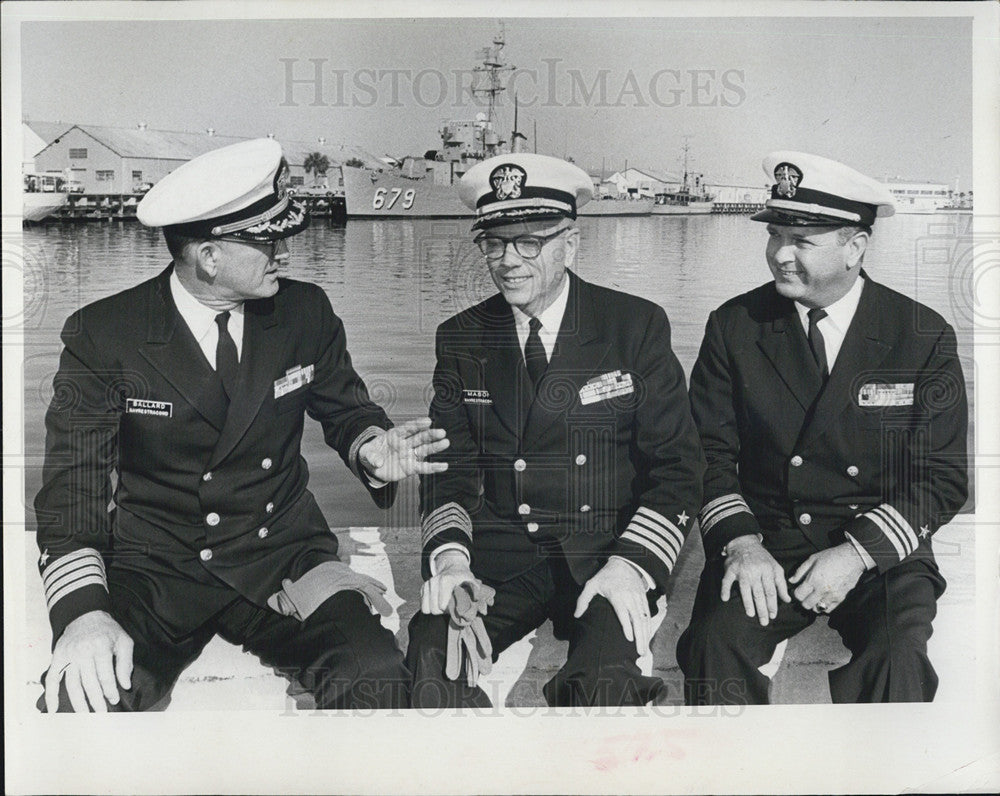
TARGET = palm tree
(316,162)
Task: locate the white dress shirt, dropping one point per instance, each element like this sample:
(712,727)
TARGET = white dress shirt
(551,319)
(201,321)
(834,328)
(838,319)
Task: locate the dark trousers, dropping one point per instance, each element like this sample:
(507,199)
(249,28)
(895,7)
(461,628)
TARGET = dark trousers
(341,654)
(601,666)
(885,622)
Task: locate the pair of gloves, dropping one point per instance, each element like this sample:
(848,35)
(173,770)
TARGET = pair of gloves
(299,598)
(467,644)
(467,639)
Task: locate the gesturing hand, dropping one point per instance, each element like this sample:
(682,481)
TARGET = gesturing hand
(825,578)
(400,452)
(622,586)
(91,653)
(759,576)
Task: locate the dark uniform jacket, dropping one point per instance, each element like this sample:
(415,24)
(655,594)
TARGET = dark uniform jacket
(878,452)
(605,460)
(205,504)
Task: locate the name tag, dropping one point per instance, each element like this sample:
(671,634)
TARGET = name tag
(610,385)
(139,406)
(293,379)
(873,394)
(476,397)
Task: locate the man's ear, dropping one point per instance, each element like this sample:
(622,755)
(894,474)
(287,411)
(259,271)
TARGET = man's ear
(856,248)
(206,257)
(572,243)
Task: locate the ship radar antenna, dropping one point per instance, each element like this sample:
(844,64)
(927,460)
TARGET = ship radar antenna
(494,68)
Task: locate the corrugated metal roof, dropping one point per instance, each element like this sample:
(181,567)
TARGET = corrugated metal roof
(48,131)
(135,142)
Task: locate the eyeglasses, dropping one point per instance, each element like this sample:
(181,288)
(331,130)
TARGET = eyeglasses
(271,245)
(527,246)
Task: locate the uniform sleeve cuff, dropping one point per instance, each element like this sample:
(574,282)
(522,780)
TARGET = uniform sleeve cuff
(885,540)
(867,559)
(724,519)
(370,433)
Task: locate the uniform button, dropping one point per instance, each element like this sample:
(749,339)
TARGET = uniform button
(524,508)
(805,519)
(585,508)
(269,508)
(532,527)
(266,464)
(853,506)
(206,554)
(852,471)
(213,519)
(262,533)
(520,465)
(796,461)
(206,477)
(581,459)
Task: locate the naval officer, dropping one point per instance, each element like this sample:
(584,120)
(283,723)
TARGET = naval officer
(174,503)
(833,415)
(574,468)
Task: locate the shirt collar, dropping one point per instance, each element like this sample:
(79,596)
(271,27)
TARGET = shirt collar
(841,312)
(551,317)
(199,317)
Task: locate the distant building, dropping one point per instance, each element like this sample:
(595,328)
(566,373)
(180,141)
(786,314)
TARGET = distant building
(35,136)
(643,182)
(117,160)
(740,194)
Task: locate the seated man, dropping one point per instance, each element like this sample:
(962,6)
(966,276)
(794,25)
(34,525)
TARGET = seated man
(181,401)
(833,415)
(574,465)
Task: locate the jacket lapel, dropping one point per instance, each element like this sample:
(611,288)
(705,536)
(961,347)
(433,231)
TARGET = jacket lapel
(504,373)
(865,346)
(785,345)
(172,350)
(577,356)
(263,352)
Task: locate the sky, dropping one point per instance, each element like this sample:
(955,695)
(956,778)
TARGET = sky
(890,96)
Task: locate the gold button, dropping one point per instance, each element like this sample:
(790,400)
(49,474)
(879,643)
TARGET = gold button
(524,508)
(532,527)
(520,465)
(206,554)
(805,519)
(585,508)
(206,477)
(269,508)
(581,459)
(213,519)
(262,533)
(266,464)
(796,461)
(852,471)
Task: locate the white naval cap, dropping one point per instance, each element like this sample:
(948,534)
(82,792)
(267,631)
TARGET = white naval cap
(524,187)
(813,190)
(237,191)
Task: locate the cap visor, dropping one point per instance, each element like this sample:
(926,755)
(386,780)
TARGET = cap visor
(515,216)
(793,219)
(292,221)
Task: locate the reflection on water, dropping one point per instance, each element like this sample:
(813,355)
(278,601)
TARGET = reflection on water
(393,282)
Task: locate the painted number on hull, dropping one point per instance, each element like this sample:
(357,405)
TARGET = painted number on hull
(385,198)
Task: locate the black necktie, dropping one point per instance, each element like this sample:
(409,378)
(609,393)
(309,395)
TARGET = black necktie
(534,353)
(227,363)
(816,340)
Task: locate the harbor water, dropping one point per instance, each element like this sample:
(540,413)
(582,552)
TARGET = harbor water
(392,282)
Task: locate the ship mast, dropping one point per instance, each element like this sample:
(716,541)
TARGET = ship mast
(495,68)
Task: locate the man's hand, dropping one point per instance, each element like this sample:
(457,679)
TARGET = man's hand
(91,653)
(452,570)
(622,586)
(400,452)
(759,576)
(825,578)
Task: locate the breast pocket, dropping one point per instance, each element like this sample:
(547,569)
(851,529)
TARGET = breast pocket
(291,402)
